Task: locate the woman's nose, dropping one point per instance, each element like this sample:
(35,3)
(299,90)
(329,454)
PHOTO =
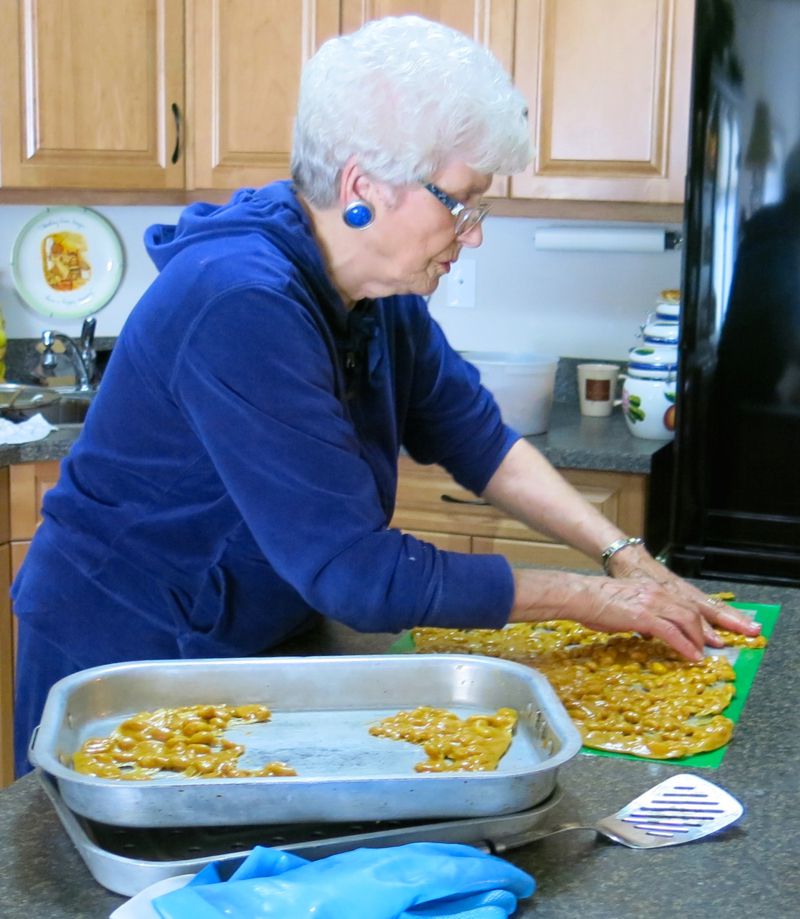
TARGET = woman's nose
(473,237)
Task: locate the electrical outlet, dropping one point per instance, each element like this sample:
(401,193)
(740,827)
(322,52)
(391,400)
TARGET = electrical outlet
(461,284)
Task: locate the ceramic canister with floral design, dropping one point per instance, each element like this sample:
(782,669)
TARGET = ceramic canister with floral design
(649,407)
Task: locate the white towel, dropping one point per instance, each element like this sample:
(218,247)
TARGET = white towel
(26,432)
(140,906)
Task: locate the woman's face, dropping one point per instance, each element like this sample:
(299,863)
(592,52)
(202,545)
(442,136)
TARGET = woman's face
(413,240)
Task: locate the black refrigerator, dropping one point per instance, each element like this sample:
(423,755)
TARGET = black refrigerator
(735,476)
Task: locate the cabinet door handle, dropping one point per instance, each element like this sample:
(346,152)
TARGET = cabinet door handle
(475,502)
(176,114)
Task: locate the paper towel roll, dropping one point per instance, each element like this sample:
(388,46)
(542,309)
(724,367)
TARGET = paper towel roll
(607,239)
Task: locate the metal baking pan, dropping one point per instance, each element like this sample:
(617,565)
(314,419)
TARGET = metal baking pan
(322,708)
(126,860)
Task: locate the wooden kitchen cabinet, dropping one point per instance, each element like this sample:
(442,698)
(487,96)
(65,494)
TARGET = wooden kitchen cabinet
(22,488)
(191,95)
(27,484)
(88,93)
(153,94)
(243,64)
(433,507)
(488,22)
(167,94)
(175,94)
(608,83)
(6,672)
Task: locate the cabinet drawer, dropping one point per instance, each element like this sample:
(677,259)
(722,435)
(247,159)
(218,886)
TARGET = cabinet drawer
(450,542)
(429,499)
(432,506)
(521,552)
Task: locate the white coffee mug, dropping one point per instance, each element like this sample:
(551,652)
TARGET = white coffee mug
(597,388)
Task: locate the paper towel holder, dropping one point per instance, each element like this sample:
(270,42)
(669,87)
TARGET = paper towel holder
(607,239)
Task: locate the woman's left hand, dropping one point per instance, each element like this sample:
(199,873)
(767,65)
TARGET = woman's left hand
(636,563)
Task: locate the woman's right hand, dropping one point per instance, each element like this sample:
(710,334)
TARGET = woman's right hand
(612,605)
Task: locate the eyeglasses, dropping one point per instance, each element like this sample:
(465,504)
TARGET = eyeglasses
(467,218)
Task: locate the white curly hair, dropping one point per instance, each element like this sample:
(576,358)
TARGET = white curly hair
(405,96)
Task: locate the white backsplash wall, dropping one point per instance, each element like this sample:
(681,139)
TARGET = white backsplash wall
(571,304)
(129,222)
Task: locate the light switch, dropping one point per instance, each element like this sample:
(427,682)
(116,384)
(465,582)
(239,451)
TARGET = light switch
(461,284)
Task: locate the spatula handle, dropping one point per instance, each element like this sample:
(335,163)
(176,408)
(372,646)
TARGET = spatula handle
(523,839)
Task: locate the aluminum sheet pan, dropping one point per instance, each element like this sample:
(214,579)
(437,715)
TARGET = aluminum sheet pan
(322,708)
(128,860)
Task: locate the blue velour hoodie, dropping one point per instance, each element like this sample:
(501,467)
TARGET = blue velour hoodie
(237,470)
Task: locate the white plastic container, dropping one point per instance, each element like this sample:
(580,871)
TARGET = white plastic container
(522,385)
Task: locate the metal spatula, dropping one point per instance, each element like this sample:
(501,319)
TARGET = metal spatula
(681,809)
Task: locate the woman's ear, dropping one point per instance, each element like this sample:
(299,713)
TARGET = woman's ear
(357,185)
(354,184)
(360,196)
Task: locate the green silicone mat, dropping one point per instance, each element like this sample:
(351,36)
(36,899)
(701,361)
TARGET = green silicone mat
(745,667)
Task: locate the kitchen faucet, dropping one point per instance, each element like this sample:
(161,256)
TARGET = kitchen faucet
(83,358)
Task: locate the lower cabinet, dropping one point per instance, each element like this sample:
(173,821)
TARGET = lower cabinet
(6,673)
(22,488)
(431,506)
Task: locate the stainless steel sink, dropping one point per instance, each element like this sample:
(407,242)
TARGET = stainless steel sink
(70,409)
(58,406)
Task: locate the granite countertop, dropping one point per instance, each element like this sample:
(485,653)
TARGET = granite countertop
(572,442)
(55,446)
(748,871)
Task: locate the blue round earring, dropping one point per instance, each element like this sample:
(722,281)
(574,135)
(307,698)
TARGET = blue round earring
(358,214)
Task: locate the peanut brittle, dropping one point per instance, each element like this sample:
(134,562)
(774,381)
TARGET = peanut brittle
(625,693)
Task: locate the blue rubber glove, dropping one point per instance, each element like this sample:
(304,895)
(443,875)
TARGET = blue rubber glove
(422,880)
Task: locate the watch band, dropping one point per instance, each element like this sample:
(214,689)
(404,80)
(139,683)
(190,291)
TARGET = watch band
(610,551)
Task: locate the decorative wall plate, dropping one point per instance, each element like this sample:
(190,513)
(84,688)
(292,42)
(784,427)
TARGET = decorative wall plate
(67,262)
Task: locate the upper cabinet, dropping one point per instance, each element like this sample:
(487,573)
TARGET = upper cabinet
(244,59)
(608,84)
(201,94)
(488,22)
(153,94)
(92,93)
(243,64)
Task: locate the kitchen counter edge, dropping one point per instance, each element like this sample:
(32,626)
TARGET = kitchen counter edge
(571,442)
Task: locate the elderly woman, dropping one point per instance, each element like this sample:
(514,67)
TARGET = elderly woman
(237,472)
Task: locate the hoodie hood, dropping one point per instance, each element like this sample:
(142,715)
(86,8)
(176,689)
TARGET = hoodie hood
(273,210)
